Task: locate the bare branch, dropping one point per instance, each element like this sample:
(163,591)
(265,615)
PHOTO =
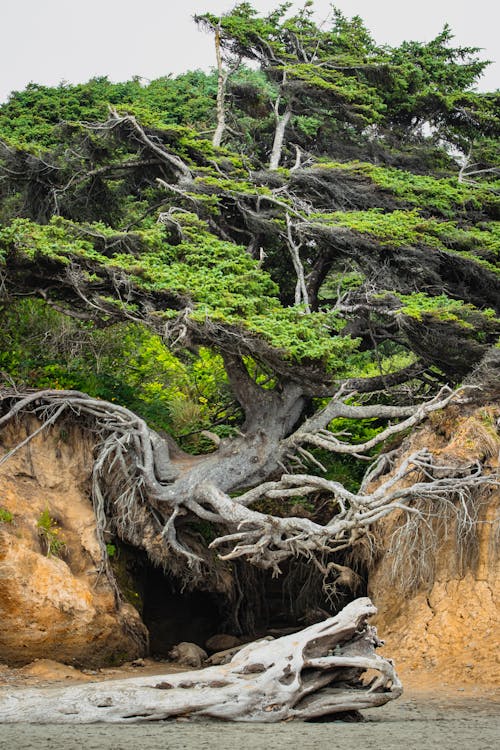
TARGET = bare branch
(313,430)
(155,146)
(301,296)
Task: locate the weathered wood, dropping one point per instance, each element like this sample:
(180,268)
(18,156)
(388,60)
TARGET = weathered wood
(313,673)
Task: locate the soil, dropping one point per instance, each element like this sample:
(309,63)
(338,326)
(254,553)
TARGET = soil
(447,626)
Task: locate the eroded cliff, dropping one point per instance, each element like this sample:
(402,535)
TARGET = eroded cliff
(436,580)
(60,605)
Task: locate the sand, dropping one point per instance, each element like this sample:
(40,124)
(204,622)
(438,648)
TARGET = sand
(432,717)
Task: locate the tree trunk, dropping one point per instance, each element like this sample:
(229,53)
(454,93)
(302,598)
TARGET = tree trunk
(279,136)
(313,673)
(221,93)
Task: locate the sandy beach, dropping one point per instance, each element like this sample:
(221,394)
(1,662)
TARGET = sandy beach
(427,716)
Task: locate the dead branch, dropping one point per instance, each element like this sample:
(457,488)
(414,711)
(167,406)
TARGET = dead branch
(301,295)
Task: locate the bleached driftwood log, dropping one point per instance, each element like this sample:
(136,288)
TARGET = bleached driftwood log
(315,672)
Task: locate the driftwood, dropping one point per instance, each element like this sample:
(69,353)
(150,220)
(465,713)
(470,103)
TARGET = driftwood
(315,672)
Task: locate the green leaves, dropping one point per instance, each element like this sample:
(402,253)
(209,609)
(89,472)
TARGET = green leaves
(218,279)
(441,307)
(373,200)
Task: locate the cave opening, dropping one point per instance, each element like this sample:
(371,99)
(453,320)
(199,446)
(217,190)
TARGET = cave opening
(258,604)
(172,615)
(170,612)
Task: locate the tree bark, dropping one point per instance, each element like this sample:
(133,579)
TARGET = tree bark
(221,93)
(279,136)
(316,672)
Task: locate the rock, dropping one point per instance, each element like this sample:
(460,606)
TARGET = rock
(188,654)
(221,642)
(47,669)
(53,608)
(222,657)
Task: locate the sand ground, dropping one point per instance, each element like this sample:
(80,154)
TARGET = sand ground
(428,716)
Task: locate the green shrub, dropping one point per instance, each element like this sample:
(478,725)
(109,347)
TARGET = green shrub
(6,516)
(49,530)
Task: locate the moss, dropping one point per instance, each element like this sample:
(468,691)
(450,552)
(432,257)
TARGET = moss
(122,563)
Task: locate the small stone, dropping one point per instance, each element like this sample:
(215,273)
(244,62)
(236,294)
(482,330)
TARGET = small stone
(222,642)
(188,654)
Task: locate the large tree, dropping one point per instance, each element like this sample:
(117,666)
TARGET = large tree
(332,291)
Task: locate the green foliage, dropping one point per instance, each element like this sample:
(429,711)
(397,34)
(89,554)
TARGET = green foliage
(408,228)
(126,363)
(312,67)
(31,117)
(442,196)
(430,78)
(6,516)
(443,308)
(49,531)
(223,282)
(86,200)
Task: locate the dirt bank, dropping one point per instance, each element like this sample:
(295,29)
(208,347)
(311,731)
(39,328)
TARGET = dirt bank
(56,605)
(436,583)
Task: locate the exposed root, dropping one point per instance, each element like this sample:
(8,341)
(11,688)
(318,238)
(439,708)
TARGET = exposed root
(140,494)
(270,540)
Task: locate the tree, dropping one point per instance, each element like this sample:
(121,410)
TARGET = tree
(333,78)
(315,74)
(333,292)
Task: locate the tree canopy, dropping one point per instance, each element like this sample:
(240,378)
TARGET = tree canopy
(329,265)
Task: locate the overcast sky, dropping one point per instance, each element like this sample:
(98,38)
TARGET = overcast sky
(49,41)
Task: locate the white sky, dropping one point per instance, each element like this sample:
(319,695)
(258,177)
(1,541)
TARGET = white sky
(49,41)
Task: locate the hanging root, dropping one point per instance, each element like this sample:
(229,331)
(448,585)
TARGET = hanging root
(128,459)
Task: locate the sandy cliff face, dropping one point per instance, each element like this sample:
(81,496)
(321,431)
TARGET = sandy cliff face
(56,607)
(439,615)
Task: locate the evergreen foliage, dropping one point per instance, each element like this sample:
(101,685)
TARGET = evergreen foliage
(115,206)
